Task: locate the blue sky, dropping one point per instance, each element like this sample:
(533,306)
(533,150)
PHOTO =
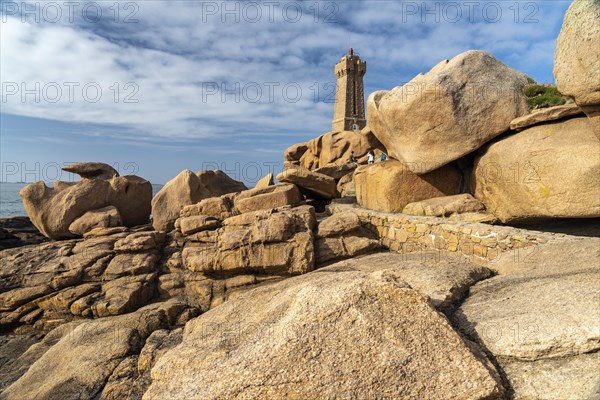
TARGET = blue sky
(154,87)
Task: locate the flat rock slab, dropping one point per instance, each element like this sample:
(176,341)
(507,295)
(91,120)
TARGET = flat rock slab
(331,249)
(337,171)
(530,317)
(198,223)
(442,277)
(474,217)
(445,206)
(571,378)
(12,365)
(539,318)
(310,183)
(339,224)
(545,115)
(266,198)
(92,170)
(548,260)
(327,334)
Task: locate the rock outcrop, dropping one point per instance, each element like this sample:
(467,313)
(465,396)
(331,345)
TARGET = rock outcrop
(274,241)
(189,188)
(58,282)
(546,171)
(287,292)
(115,270)
(539,319)
(75,360)
(328,334)
(19,231)
(53,210)
(334,148)
(577,59)
(389,186)
(448,112)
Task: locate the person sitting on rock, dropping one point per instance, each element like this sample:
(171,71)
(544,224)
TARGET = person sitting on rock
(371,158)
(382,157)
(351,159)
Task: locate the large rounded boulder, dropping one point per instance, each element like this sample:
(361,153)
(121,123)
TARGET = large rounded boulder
(546,171)
(331,334)
(188,188)
(577,58)
(448,112)
(389,186)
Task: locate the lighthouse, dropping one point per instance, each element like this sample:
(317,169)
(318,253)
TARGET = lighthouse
(349,108)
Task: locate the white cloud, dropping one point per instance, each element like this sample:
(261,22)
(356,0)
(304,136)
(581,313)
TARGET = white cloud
(175,47)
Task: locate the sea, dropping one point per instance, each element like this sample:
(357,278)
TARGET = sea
(11,204)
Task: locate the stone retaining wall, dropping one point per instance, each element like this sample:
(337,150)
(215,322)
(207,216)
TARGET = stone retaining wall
(481,243)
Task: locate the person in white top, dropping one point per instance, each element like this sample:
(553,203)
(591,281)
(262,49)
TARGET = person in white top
(371,158)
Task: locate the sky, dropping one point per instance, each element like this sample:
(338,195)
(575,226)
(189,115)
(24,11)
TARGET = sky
(154,87)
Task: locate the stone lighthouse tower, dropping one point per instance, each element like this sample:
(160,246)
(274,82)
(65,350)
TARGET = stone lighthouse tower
(349,109)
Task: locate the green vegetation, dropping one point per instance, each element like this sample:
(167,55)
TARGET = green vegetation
(545,95)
